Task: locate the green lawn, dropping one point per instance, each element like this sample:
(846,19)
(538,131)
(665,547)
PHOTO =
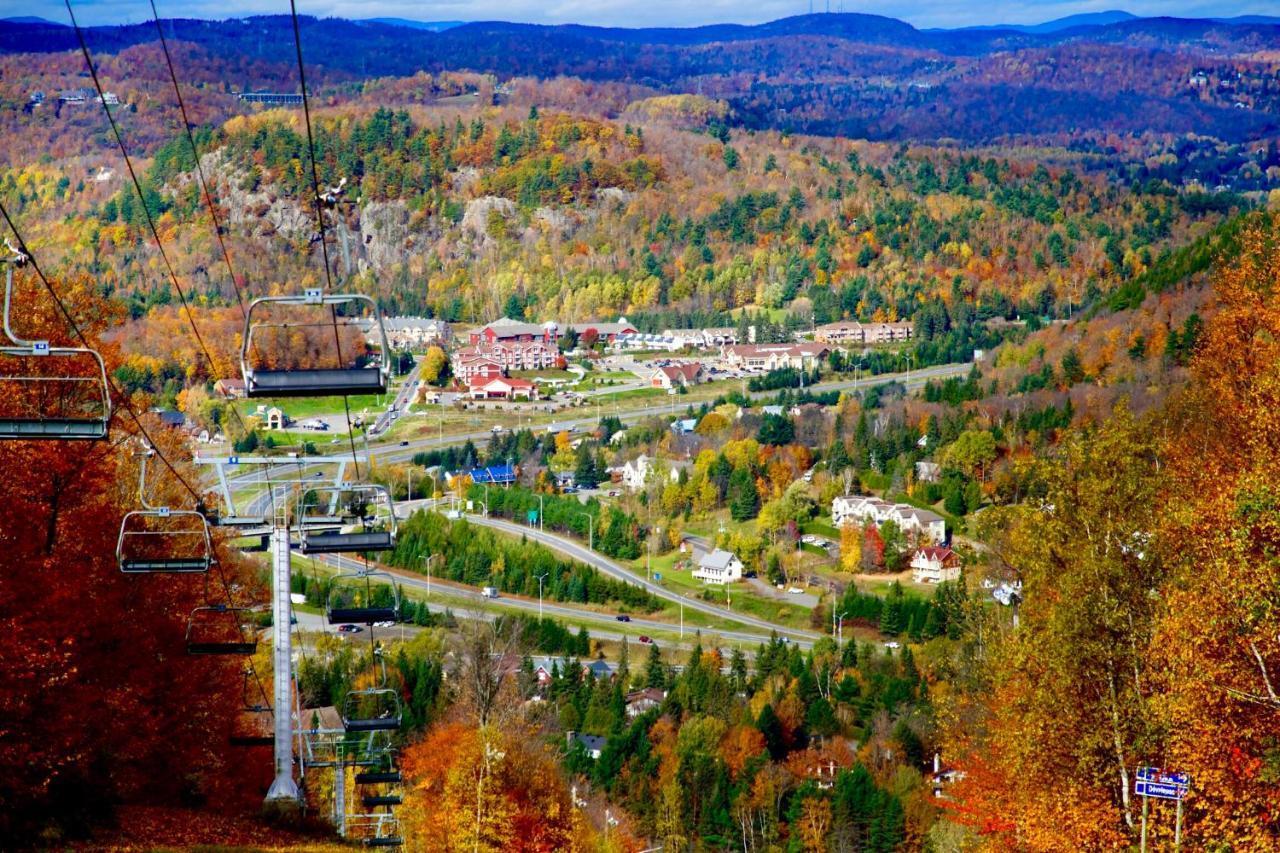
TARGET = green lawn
(301,408)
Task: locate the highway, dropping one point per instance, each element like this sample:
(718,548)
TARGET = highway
(393,452)
(577,551)
(638,624)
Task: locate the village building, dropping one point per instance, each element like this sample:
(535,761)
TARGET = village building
(935,564)
(642,701)
(719,566)
(680,375)
(846,332)
(501,388)
(920,525)
(765,357)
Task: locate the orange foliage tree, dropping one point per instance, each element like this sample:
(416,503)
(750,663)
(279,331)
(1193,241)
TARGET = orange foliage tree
(100,703)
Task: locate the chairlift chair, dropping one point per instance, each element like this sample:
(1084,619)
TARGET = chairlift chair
(373,709)
(324,534)
(158,539)
(374,801)
(59,405)
(355,598)
(217,629)
(379,777)
(313,382)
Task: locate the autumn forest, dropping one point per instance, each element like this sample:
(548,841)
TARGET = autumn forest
(900,473)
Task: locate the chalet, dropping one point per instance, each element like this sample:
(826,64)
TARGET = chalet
(111,99)
(935,564)
(502,388)
(682,375)
(642,701)
(719,567)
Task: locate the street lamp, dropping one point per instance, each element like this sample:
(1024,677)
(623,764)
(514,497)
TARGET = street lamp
(428,560)
(540,578)
(648,557)
(540,523)
(837,625)
(591,530)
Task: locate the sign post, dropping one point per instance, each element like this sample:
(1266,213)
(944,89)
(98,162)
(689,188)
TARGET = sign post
(1163,785)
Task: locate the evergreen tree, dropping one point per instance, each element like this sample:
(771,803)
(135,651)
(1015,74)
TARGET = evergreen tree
(771,727)
(744,501)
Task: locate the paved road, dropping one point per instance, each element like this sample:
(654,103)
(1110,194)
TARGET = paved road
(578,551)
(401,402)
(392,452)
(638,624)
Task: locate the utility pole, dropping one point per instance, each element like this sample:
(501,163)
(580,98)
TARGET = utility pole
(540,579)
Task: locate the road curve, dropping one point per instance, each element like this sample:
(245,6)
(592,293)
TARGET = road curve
(639,624)
(577,551)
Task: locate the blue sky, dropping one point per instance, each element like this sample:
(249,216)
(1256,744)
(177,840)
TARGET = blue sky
(632,13)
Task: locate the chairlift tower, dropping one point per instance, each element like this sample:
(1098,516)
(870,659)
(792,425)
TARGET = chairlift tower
(284,790)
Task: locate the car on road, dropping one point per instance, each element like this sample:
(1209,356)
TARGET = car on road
(613,493)
(622,617)
(404,444)
(349,629)
(645,640)
(496,428)
(795,590)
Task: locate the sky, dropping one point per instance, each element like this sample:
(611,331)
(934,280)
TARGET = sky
(637,13)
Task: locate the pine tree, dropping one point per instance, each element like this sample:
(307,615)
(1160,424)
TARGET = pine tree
(744,501)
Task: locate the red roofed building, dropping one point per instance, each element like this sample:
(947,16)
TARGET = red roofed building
(502,388)
(676,375)
(935,564)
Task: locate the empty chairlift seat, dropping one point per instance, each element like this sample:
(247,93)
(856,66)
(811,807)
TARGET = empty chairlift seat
(270,342)
(370,710)
(363,597)
(220,630)
(48,392)
(367,508)
(338,542)
(378,777)
(163,540)
(374,801)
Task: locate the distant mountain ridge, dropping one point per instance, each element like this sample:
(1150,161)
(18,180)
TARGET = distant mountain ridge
(845,74)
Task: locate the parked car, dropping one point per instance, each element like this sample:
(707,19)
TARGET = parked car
(387,624)
(645,640)
(893,644)
(349,629)
(795,590)
(622,617)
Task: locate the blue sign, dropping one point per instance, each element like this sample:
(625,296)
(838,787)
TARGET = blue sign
(1154,782)
(657,576)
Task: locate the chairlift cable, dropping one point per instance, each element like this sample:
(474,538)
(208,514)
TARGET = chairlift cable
(319,208)
(195,155)
(142,199)
(75,328)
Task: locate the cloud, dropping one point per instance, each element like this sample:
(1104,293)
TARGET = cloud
(643,13)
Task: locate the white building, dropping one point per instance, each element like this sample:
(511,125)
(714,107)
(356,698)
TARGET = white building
(636,472)
(920,525)
(935,564)
(719,567)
